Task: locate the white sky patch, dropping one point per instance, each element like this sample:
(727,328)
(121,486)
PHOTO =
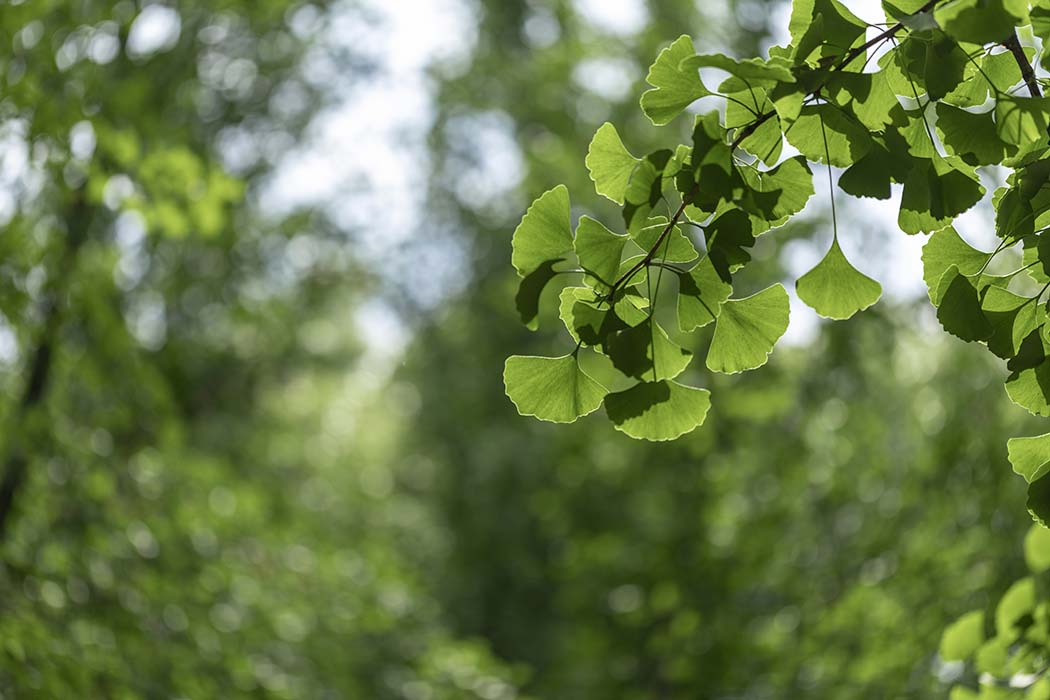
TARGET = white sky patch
(620,17)
(157,28)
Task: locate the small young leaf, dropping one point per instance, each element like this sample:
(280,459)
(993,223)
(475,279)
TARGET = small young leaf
(609,163)
(962,638)
(545,232)
(1030,388)
(553,389)
(747,329)
(674,89)
(835,289)
(658,410)
(1030,456)
(1037,549)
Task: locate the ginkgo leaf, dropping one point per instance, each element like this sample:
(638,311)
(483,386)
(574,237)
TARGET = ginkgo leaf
(977,21)
(1012,317)
(646,352)
(598,249)
(674,89)
(753,70)
(841,28)
(935,192)
(959,307)
(847,139)
(836,289)
(1037,549)
(1030,388)
(1039,501)
(658,410)
(1016,603)
(675,246)
(1030,456)
(553,389)
(645,188)
(872,175)
(545,232)
(747,329)
(701,293)
(527,300)
(779,192)
(970,136)
(944,249)
(962,638)
(1022,120)
(609,163)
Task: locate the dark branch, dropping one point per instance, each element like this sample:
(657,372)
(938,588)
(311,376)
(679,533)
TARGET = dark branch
(1014,44)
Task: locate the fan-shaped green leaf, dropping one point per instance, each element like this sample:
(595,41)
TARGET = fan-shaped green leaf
(747,329)
(674,248)
(658,410)
(545,232)
(935,192)
(847,139)
(963,637)
(978,21)
(674,89)
(646,352)
(1030,388)
(1037,549)
(701,293)
(609,163)
(944,249)
(836,289)
(599,250)
(1030,456)
(553,389)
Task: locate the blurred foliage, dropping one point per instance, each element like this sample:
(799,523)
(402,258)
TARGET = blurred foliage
(224,493)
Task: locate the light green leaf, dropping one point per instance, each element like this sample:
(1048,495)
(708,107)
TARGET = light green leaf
(836,289)
(1037,549)
(609,163)
(963,637)
(658,410)
(674,89)
(1030,388)
(1030,456)
(1022,120)
(553,389)
(842,29)
(645,188)
(701,293)
(847,139)
(753,70)
(970,136)
(646,352)
(977,21)
(747,329)
(598,249)
(944,249)
(1013,318)
(675,248)
(1018,601)
(545,232)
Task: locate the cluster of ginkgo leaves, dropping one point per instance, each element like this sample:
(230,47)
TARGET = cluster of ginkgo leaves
(938,90)
(1005,655)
